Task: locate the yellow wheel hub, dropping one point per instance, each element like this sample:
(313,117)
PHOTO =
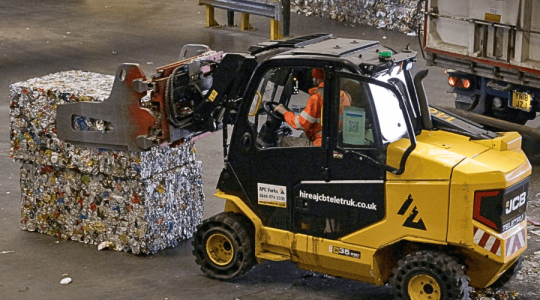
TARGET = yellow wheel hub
(424,287)
(220,249)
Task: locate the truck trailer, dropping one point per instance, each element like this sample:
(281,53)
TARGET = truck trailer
(491,52)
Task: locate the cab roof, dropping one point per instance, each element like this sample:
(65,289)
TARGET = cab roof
(357,51)
(336,47)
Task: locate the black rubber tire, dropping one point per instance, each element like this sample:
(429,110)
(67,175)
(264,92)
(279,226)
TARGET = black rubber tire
(444,269)
(462,106)
(509,274)
(238,229)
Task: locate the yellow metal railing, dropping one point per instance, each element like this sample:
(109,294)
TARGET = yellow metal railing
(275,25)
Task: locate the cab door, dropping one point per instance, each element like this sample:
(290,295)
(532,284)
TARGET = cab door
(268,173)
(352,196)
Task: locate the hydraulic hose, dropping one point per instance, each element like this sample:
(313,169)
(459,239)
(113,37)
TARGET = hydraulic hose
(169,98)
(169,91)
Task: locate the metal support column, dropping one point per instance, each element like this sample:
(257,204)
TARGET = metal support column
(210,18)
(244,25)
(230,18)
(275,30)
(275,27)
(286,16)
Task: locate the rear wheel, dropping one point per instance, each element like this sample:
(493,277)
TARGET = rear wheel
(224,247)
(462,106)
(428,275)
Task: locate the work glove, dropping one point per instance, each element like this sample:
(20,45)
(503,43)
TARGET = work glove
(280,109)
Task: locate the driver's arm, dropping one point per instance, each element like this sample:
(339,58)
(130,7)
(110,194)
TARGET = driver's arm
(289,116)
(306,119)
(281,109)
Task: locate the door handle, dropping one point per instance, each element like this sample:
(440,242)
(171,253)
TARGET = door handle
(302,205)
(247,141)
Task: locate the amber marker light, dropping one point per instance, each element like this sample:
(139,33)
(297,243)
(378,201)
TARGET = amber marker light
(452,81)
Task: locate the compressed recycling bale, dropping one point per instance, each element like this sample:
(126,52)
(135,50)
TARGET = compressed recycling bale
(402,15)
(134,201)
(33,128)
(137,215)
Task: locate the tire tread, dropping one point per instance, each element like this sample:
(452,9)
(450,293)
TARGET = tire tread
(444,264)
(240,229)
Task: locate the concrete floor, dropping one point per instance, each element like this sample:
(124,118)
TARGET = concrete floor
(38,37)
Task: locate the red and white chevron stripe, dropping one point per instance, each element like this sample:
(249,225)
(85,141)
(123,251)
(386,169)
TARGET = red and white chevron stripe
(516,242)
(487,241)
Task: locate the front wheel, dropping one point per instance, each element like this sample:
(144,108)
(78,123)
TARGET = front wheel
(428,275)
(224,247)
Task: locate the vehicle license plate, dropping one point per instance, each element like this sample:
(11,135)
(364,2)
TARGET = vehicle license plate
(521,101)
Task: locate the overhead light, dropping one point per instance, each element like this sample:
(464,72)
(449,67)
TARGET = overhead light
(409,66)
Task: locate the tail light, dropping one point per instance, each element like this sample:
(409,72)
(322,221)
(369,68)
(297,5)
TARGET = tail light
(459,82)
(488,208)
(502,209)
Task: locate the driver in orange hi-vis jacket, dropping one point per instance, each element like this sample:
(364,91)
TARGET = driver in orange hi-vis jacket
(310,119)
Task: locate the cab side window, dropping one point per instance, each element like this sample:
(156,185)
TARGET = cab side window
(268,90)
(299,93)
(355,122)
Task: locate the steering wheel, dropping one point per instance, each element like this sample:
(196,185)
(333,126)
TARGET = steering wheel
(269,107)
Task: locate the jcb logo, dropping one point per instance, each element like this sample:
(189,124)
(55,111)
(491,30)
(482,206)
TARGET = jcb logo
(516,202)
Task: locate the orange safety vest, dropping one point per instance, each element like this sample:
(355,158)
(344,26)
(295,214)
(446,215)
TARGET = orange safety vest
(310,119)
